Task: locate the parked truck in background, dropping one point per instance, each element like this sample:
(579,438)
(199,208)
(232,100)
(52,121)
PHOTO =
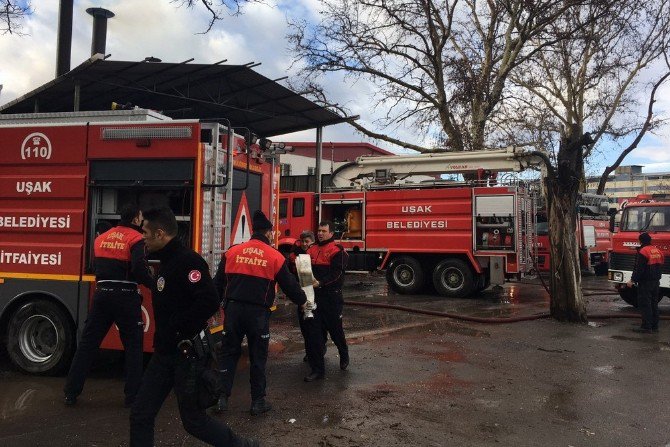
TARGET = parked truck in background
(593,235)
(650,213)
(63,174)
(458,236)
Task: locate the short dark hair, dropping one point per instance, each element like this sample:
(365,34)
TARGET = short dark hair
(161,218)
(327,223)
(307,234)
(129,211)
(103,226)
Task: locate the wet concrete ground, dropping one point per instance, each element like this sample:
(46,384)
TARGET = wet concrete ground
(414,380)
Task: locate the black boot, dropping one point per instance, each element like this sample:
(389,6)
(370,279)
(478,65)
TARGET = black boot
(344,361)
(259,406)
(313,376)
(222,404)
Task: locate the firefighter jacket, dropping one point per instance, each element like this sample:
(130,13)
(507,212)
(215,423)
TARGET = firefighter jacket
(184,296)
(120,256)
(648,264)
(329,261)
(249,271)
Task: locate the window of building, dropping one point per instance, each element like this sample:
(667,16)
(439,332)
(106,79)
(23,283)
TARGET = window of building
(285,169)
(311,170)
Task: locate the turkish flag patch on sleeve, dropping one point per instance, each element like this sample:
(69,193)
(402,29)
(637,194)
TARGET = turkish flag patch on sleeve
(194,276)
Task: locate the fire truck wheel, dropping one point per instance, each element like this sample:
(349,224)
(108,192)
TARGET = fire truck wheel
(405,275)
(453,278)
(40,338)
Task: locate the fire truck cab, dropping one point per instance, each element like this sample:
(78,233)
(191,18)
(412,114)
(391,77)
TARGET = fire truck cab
(650,213)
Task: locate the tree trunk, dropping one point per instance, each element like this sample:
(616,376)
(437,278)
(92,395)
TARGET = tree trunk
(562,186)
(567,301)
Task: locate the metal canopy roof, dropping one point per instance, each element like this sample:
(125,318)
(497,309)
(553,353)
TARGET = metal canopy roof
(180,90)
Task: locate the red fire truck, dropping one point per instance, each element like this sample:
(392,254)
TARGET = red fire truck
(650,213)
(459,236)
(593,235)
(63,174)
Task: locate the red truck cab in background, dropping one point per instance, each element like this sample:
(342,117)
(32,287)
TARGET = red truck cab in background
(650,213)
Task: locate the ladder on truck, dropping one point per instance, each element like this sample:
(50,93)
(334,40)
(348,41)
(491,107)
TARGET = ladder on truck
(217,194)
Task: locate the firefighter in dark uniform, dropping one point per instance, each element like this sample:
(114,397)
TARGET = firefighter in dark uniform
(184,298)
(120,264)
(300,247)
(245,281)
(647,274)
(329,261)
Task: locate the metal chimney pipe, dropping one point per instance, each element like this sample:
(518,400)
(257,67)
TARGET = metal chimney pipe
(64,45)
(99,39)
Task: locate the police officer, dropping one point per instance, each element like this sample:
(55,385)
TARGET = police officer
(329,261)
(647,274)
(184,297)
(246,280)
(120,264)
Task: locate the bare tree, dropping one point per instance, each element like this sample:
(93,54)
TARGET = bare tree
(589,81)
(480,74)
(217,9)
(439,67)
(12,13)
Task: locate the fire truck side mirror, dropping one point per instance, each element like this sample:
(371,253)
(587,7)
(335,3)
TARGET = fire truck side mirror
(613,217)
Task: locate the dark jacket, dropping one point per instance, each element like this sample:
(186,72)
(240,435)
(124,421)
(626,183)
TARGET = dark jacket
(648,264)
(120,256)
(184,296)
(329,261)
(249,271)
(296,250)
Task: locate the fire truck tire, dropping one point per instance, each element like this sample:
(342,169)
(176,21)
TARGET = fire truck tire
(40,338)
(405,275)
(453,278)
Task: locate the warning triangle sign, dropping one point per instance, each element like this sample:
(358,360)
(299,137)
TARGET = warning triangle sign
(241,231)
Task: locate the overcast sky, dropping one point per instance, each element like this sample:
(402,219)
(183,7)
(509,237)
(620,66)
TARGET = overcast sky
(158,28)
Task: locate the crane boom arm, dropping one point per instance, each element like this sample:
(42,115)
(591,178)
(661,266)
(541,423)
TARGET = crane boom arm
(368,168)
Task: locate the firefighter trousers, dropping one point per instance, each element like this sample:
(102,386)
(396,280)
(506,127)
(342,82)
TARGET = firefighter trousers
(328,316)
(165,372)
(252,320)
(647,301)
(121,306)
(315,343)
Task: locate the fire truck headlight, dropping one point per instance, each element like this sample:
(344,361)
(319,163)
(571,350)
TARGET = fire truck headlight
(617,276)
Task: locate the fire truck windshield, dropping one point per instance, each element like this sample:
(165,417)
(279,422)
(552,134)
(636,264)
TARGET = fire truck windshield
(646,218)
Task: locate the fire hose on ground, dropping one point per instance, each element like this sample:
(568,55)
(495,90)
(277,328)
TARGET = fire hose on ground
(487,320)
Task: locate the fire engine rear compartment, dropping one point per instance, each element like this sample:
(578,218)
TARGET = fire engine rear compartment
(80,182)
